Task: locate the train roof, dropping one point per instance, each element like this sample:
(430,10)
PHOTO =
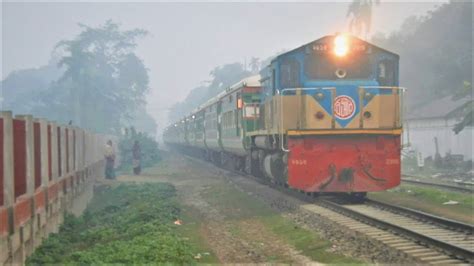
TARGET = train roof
(331,36)
(252,81)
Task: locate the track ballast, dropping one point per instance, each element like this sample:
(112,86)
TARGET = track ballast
(428,238)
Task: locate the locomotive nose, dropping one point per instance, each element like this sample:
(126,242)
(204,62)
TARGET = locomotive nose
(346,175)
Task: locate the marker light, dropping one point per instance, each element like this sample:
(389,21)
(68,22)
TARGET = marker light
(341,45)
(239,103)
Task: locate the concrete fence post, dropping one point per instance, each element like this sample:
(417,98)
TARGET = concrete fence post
(8,189)
(62,135)
(43,172)
(54,151)
(53,187)
(41,195)
(79,145)
(44,152)
(8,175)
(71,149)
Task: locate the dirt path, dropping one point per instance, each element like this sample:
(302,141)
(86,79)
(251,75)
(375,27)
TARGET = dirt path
(231,229)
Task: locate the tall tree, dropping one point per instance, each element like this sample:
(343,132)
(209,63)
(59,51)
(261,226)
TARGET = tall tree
(360,16)
(222,77)
(464,111)
(22,88)
(104,81)
(435,52)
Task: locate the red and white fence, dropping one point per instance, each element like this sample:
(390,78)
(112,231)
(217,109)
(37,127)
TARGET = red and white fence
(44,168)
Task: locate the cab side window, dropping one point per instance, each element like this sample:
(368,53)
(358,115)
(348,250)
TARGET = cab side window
(386,73)
(289,73)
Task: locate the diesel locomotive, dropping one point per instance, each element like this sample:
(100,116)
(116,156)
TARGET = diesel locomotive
(324,117)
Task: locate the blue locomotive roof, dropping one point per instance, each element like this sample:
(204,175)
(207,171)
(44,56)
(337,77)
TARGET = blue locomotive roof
(329,38)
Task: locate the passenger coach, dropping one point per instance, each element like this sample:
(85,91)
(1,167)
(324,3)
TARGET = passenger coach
(324,117)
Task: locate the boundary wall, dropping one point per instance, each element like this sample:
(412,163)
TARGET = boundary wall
(44,169)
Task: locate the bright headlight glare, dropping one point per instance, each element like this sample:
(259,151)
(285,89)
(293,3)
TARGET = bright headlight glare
(341,45)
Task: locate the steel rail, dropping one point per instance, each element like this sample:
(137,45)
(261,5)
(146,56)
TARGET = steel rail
(451,224)
(453,250)
(444,186)
(459,252)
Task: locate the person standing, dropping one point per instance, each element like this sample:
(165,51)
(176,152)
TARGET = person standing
(109,160)
(137,156)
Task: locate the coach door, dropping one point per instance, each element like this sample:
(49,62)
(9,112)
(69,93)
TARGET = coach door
(238,114)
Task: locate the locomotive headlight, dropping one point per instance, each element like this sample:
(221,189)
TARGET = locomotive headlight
(319,96)
(341,45)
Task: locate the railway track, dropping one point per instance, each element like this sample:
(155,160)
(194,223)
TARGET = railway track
(427,238)
(460,188)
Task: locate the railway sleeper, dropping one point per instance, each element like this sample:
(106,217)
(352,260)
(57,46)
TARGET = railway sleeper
(420,250)
(433,258)
(446,262)
(397,241)
(416,248)
(389,237)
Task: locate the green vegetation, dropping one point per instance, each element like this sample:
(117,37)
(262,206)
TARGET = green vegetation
(464,110)
(150,155)
(240,207)
(95,80)
(360,15)
(446,165)
(435,195)
(221,77)
(436,54)
(309,243)
(129,224)
(430,200)
(191,231)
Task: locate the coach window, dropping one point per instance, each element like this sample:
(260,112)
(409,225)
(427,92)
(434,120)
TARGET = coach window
(251,111)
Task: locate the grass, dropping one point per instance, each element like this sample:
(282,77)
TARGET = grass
(128,224)
(430,200)
(235,204)
(309,243)
(191,231)
(239,206)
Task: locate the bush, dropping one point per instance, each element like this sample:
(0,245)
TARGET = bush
(130,224)
(150,154)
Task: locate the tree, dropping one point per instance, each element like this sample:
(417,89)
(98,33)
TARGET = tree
(104,81)
(465,110)
(255,64)
(360,14)
(225,76)
(22,88)
(222,78)
(435,52)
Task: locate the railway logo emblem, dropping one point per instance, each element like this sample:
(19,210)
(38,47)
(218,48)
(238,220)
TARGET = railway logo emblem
(344,107)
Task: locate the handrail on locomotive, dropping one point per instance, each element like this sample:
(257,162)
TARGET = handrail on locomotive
(362,90)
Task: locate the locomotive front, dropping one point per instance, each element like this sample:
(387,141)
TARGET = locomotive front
(332,116)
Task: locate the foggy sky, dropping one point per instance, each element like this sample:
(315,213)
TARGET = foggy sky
(187,40)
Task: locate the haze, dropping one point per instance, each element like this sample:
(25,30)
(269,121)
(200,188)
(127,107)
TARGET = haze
(187,40)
